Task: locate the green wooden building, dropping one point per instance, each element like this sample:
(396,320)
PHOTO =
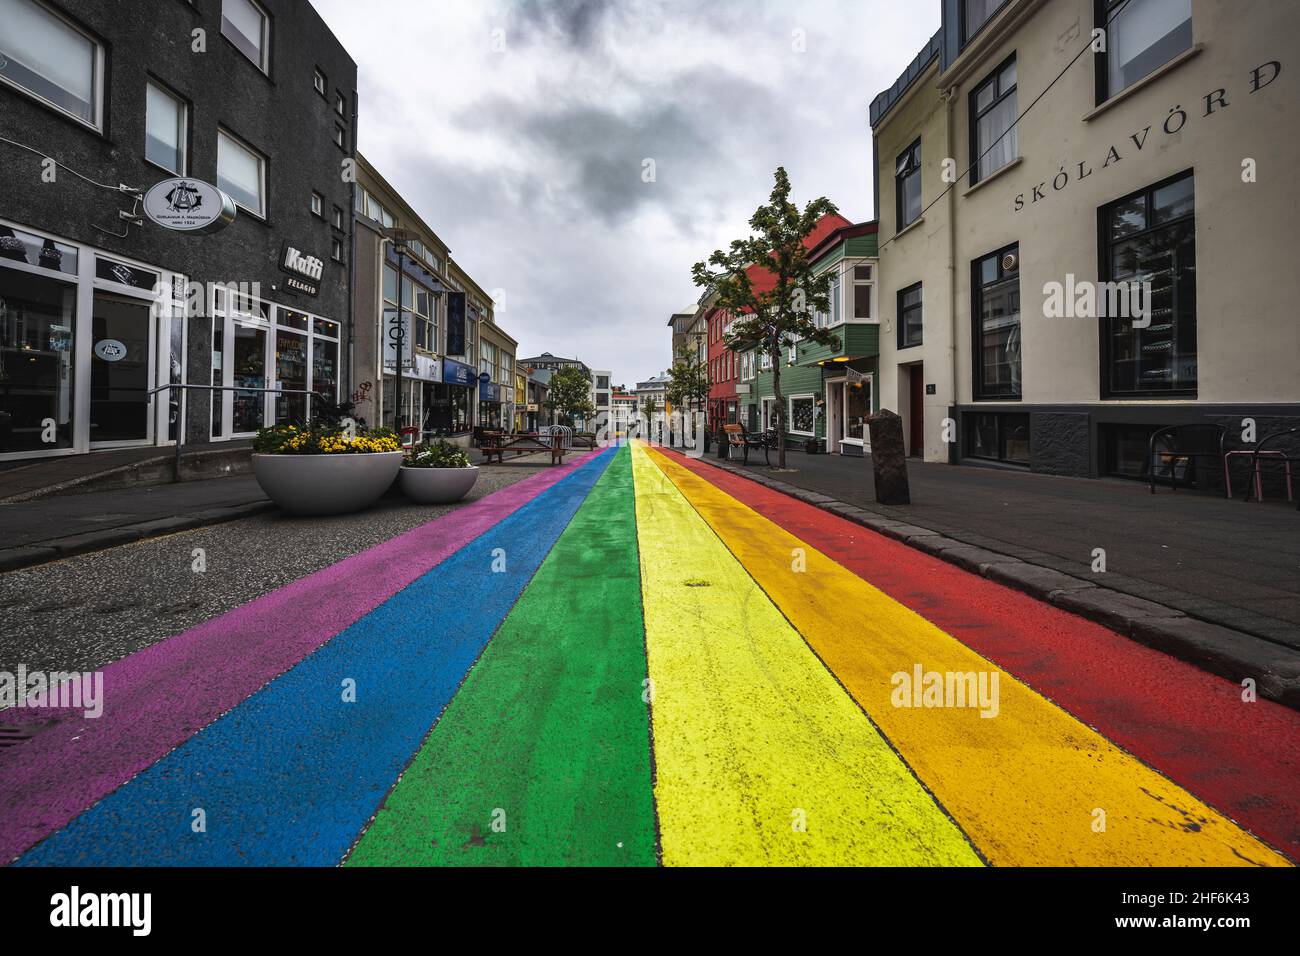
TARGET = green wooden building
(829,392)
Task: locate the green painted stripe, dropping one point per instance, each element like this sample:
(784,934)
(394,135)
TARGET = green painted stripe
(549,734)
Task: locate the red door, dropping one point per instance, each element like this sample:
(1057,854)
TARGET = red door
(917,443)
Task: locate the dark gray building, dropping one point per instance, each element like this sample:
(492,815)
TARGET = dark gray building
(99,303)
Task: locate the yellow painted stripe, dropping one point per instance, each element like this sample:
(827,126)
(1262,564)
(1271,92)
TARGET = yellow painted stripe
(752,735)
(1025,785)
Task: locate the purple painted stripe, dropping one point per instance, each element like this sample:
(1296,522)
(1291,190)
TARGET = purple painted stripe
(160,696)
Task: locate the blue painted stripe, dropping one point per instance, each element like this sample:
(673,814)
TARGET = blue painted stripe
(292,775)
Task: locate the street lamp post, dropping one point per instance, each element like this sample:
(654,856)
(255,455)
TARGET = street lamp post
(399,238)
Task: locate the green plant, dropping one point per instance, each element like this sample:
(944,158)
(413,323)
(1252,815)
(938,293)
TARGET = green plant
(439,454)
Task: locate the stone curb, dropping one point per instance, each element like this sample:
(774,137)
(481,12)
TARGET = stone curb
(1228,653)
(13,559)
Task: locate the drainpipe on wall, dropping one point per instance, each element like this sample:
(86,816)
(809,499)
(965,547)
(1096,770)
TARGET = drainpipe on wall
(950,96)
(352,260)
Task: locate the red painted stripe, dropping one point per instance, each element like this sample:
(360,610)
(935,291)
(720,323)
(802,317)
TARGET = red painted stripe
(1243,759)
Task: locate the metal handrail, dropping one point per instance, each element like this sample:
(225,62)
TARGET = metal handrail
(180,412)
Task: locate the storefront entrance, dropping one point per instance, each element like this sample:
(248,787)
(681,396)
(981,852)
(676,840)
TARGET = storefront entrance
(121,371)
(85,340)
(848,406)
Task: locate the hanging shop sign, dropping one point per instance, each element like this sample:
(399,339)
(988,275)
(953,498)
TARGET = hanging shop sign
(189,205)
(397,334)
(489,392)
(458,373)
(304,271)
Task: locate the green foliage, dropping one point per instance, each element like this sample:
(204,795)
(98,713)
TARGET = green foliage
(688,380)
(772,321)
(570,393)
(439,454)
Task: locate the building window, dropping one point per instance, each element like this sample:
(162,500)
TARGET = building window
(336,250)
(998,437)
(45,55)
(803,412)
(976,13)
(862,285)
(318,82)
(247,26)
(1150,237)
(241,173)
(340,103)
(340,137)
(338,218)
(164,129)
(1141,35)
(907,185)
(996,313)
(909,316)
(993,139)
(317,204)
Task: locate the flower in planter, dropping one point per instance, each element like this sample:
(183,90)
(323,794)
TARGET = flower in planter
(316,440)
(439,454)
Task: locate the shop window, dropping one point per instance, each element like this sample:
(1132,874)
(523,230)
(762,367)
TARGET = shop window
(1149,240)
(19,246)
(993,138)
(37,329)
(996,436)
(247,26)
(164,129)
(909,316)
(996,314)
(1141,36)
(291,374)
(241,173)
(907,185)
(803,413)
(43,54)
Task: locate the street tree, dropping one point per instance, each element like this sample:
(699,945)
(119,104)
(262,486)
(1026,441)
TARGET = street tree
(688,381)
(570,393)
(772,321)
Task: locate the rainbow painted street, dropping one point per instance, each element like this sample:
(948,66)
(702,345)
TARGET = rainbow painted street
(638,659)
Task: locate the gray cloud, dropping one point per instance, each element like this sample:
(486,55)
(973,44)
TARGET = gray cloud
(528,160)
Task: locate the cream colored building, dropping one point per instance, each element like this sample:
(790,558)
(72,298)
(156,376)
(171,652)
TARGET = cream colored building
(1164,160)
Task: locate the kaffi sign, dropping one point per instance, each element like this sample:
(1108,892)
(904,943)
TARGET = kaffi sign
(188,205)
(304,271)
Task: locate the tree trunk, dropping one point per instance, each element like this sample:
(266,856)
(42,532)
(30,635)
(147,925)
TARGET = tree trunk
(780,408)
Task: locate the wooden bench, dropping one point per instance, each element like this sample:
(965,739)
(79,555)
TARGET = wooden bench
(737,437)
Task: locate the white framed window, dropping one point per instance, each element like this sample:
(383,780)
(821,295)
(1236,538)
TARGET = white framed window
(48,57)
(801,417)
(241,173)
(864,284)
(318,82)
(165,126)
(340,103)
(766,361)
(338,218)
(317,204)
(336,250)
(340,137)
(246,25)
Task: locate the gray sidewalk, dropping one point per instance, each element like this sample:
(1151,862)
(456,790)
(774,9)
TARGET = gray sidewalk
(1230,563)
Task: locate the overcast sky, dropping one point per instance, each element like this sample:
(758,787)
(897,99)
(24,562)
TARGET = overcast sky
(518,129)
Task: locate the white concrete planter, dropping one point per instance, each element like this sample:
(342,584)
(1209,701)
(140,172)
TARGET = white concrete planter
(326,484)
(437,486)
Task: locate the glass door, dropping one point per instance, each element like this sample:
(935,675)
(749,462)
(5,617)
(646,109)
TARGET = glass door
(857,409)
(121,371)
(248,370)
